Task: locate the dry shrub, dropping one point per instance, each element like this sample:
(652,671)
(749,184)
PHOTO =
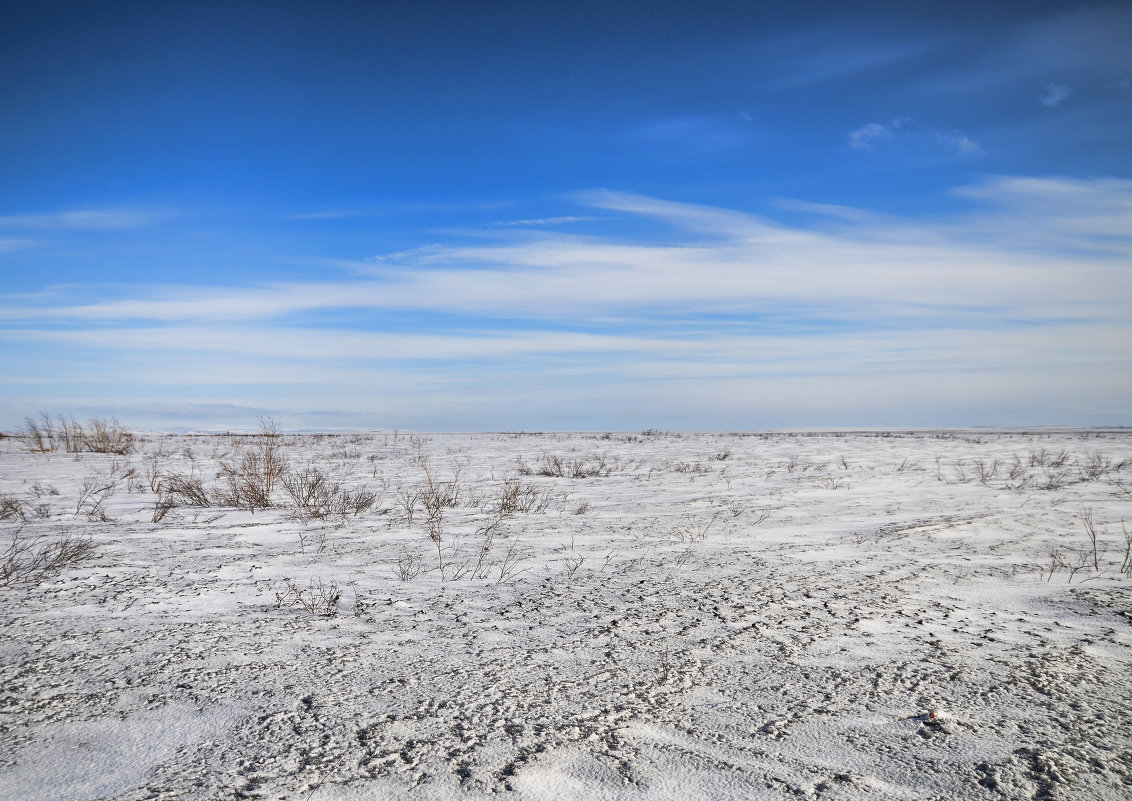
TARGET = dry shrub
(249,484)
(162,507)
(68,435)
(29,561)
(185,490)
(515,497)
(94,492)
(252,479)
(558,467)
(316,497)
(12,508)
(101,436)
(317,597)
(408,567)
(1097,466)
(1126,565)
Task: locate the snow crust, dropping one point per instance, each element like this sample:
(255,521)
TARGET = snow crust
(829,615)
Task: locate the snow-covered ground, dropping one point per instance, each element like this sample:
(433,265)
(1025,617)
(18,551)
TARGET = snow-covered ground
(695,616)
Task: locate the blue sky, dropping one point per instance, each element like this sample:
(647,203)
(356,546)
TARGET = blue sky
(458,216)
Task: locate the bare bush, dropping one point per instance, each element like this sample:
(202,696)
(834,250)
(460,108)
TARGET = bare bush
(1126,565)
(695,468)
(408,568)
(152,472)
(316,497)
(252,480)
(68,435)
(12,508)
(1044,458)
(101,436)
(273,461)
(162,507)
(1082,561)
(573,563)
(33,560)
(407,499)
(1056,562)
(358,501)
(249,482)
(1055,479)
(515,497)
(38,439)
(1018,476)
(95,491)
(482,566)
(436,496)
(694,533)
(1091,532)
(186,490)
(509,566)
(308,488)
(559,467)
(1097,466)
(317,597)
(986,472)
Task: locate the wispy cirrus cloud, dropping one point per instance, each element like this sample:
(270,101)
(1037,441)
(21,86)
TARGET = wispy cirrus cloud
(867,135)
(543,221)
(807,59)
(1031,283)
(393,209)
(12,245)
(728,261)
(84,219)
(338,214)
(873,134)
(1052,95)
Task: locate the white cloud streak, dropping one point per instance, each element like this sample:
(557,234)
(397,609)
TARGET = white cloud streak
(1023,251)
(82,219)
(863,137)
(874,134)
(545,221)
(1052,95)
(1035,281)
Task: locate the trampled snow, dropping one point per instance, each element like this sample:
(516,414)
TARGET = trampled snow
(619,616)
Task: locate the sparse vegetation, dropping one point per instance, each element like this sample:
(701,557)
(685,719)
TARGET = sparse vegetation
(407,568)
(1126,565)
(515,497)
(185,490)
(318,597)
(436,496)
(317,497)
(595,466)
(70,436)
(636,587)
(252,479)
(31,560)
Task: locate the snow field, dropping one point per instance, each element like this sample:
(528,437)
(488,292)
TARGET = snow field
(622,616)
